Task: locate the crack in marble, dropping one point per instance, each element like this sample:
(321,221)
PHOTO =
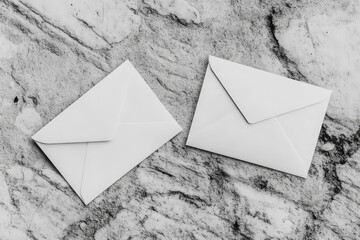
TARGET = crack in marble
(178,10)
(56,27)
(165,86)
(92,29)
(162,171)
(192,200)
(279,51)
(12,74)
(18,10)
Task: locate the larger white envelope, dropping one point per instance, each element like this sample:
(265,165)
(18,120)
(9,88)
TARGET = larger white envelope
(106,132)
(258,117)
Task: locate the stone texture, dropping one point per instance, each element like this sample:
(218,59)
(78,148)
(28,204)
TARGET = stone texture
(52,52)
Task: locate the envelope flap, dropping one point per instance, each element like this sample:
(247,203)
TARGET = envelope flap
(260,95)
(94,116)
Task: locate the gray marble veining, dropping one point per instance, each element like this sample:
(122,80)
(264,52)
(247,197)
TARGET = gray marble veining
(52,52)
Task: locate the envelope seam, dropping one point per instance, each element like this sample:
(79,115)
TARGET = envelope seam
(82,173)
(293,146)
(228,93)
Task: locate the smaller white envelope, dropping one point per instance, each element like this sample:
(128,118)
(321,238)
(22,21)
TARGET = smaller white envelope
(106,132)
(258,117)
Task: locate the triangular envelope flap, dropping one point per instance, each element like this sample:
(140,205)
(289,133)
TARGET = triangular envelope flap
(94,116)
(142,104)
(260,95)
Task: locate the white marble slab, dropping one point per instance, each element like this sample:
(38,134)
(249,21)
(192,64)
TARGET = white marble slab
(51,52)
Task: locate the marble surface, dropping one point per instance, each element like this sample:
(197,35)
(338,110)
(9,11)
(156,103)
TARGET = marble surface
(52,52)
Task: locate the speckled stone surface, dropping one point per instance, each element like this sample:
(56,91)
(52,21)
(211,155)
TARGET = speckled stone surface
(52,52)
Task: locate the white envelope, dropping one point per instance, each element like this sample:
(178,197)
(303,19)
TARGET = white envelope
(258,117)
(106,132)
